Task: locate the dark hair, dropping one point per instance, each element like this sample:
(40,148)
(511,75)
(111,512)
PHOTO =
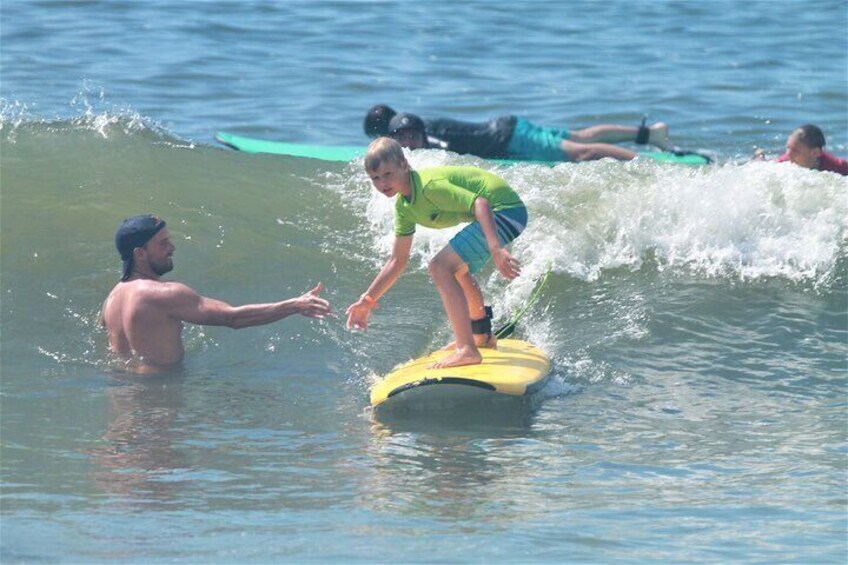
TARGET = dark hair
(810,135)
(377,119)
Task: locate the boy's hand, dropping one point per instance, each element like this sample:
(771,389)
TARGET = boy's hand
(358,314)
(506,263)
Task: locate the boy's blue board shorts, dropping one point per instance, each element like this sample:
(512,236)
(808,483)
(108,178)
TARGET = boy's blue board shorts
(530,142)
(470,243)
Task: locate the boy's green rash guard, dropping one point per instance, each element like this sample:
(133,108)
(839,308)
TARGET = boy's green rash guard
(443,197)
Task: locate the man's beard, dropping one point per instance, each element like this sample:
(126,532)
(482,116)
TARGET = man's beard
(162,267)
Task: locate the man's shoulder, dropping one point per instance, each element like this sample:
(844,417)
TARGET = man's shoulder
(153,290)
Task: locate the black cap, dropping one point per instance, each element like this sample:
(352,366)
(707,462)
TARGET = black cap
(406,121)
(135,232)
(377,120)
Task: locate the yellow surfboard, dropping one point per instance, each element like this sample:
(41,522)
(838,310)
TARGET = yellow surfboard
(515,369)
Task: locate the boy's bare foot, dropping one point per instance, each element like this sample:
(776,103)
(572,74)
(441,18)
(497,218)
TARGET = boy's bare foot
(489,341)
(659,136)
(461,357)
(480,340)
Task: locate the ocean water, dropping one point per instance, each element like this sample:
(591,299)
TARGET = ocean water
(697,318)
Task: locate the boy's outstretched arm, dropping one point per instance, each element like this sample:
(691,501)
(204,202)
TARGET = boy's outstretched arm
(359,312)
(505,263)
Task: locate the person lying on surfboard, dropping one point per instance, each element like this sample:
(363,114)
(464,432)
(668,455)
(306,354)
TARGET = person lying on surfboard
(805,148)
(511,137)
(443,197)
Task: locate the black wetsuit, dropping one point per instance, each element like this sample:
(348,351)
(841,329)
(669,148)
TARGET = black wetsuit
(484,139)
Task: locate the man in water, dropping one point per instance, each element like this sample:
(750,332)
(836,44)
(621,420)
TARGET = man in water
(805,148)
(144,315)
(511,137)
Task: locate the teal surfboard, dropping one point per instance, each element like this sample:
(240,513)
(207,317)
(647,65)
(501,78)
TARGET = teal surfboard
(323,152)
(347,153)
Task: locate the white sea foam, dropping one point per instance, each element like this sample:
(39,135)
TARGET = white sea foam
(738,222)
(751,221)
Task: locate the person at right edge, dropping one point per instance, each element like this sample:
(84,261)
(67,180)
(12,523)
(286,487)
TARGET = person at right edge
(805,148)
(512,137)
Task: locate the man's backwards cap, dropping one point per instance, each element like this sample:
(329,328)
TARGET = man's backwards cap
(135,232)
(406,121)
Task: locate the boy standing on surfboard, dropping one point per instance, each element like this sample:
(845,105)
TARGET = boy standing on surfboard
(443,197)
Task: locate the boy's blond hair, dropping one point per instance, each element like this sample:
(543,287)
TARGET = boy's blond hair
(383,149)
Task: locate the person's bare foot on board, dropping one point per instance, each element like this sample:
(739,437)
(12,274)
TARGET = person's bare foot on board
(489,341)
(461,357)
(480,340)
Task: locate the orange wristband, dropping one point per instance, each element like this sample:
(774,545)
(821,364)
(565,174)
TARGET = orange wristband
(368,300)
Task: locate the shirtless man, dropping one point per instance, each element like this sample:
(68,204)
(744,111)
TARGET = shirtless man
(144,315)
